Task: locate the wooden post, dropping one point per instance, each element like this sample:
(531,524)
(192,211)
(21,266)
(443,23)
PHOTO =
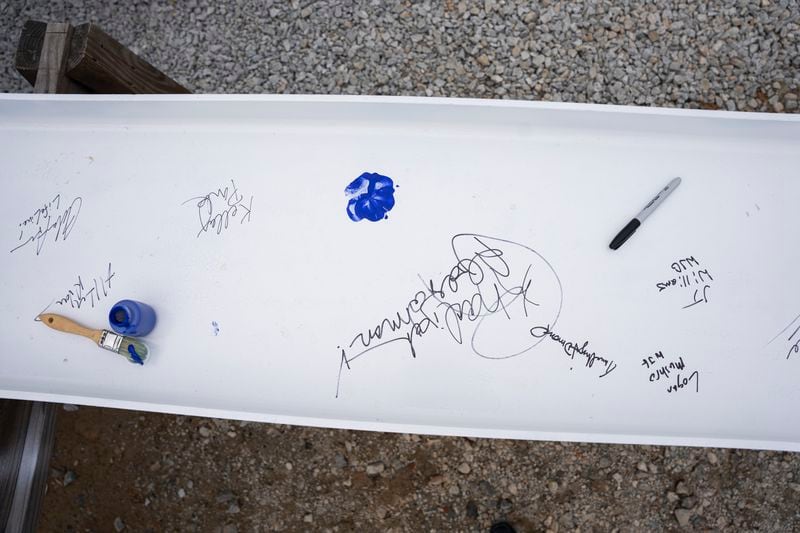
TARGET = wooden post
(95,62)
(51,74)
(105,66)
(29,49)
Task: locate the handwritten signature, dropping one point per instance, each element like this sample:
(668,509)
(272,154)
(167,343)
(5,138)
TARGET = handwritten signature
(45,219)
(571,349)
(483,283)
(98,289)
(794,336)
(216,209)
(688,274)
(661,368)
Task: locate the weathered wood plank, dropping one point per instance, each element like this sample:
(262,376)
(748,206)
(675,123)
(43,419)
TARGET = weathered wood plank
(29,49)
(50,76)
(104,65)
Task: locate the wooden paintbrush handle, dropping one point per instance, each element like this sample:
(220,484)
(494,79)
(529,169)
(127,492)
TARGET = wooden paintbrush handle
(62,323)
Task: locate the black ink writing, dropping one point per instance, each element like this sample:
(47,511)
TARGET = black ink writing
(795,348)
(90,292)
(700,296)
(652,359)
(688,275)
(483,282)
(48,220)
(418,316)
(662,369)
(792,335)
(681,265)
(217,209)
(681,382)
(572,349)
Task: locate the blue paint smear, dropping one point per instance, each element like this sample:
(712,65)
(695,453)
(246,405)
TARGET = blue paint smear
(134,355)
(371,196)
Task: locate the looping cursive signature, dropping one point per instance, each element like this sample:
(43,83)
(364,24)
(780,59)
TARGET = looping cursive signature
(572,348)
(45,219)
(216,209)
(491,277)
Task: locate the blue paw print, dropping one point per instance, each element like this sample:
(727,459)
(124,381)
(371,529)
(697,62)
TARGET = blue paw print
(370,196)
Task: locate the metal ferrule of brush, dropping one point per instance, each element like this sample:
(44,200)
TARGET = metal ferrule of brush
(110,341)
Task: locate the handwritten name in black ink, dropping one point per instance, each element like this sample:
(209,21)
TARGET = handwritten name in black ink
(483,282)
(688,274)
(682,265)
(417,317)
(682,381)
(571,349)
(48,220)
(660,368)
(91,292)
(216,210)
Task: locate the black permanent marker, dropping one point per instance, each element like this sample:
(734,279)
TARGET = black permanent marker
(634,224)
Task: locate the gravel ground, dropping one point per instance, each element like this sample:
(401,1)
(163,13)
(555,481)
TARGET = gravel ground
(741,55)
(119,470)
(168,473)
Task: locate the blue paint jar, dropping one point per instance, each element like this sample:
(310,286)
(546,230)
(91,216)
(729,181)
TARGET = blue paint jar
(128,317)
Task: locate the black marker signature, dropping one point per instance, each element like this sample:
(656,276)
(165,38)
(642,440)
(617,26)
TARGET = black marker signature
(571,349)
(485,282)
(699,297)
(794,336)
(216,209)
(662,368)
(681,382)
(79,295)
(36,227)
(688,273)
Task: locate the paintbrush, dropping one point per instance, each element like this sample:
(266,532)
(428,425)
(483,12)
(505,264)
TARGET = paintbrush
(134,350)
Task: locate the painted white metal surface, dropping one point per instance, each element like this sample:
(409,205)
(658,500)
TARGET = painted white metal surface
(228,215)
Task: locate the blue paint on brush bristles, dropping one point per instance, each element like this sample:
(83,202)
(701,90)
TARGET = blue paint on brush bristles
(134,356)
(370,196)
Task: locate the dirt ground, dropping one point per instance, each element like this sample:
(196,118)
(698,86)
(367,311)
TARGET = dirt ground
(155,472)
